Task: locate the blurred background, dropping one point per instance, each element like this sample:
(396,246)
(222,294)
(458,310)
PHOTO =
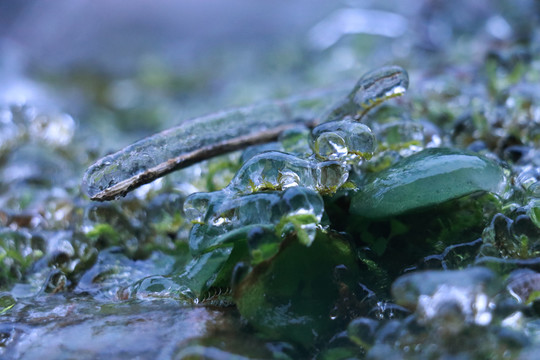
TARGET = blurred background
(120,55)
(123,71)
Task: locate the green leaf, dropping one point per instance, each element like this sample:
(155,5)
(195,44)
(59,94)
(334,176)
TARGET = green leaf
(427,178)
(105,232)
(290,296)
(303,224)
(202,271)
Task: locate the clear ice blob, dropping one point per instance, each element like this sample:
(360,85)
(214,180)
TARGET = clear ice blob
(224,221)
(372,89)
(273,170)
(196,205)
(331,175)
(336,139)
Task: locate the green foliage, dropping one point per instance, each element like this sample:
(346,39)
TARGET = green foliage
(304,226)
(6,302)
(17,252)
(104,234)
(534,212)
(291,295)
(427,178)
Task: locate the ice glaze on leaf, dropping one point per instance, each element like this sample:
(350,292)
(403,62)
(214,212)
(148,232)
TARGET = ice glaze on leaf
(429,177)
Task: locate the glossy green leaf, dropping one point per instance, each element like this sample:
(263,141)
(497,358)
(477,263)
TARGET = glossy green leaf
(290,296)
(427,178)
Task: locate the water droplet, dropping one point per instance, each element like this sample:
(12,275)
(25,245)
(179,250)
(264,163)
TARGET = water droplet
(455,298)
(335,139)
(299,199)
(196,206)
(287,179)
(529,180)
(270,171)
(53,129)
(330,145)
(331,175)
(372,89)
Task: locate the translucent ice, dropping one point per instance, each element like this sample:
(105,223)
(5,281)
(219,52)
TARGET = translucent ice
(335,139)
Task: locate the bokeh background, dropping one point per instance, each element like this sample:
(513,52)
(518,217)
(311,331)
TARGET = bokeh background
(148,66)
